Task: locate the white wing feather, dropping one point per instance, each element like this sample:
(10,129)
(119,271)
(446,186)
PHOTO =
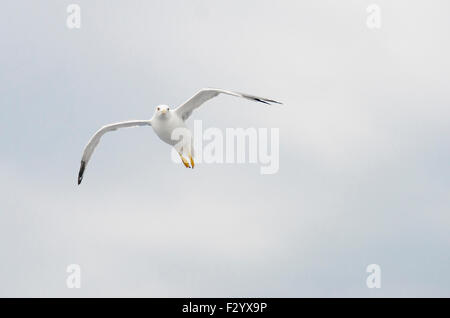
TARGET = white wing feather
(95,139)
(186,109)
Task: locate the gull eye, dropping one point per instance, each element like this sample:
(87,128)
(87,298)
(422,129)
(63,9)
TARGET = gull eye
(158,109)
(168,108)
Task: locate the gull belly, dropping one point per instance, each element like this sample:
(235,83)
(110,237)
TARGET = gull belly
(164,127)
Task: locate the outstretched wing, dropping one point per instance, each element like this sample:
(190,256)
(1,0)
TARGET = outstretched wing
(186,109)
(95,139)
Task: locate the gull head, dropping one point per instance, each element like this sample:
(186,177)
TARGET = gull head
(162,111)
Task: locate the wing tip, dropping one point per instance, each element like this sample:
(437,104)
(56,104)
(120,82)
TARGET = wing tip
(276,102)
(266,101)
(254,98)
(81,172)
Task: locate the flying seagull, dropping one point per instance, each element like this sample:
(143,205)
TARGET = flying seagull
(165,122)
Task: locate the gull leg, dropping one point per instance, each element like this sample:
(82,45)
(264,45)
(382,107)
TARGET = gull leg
(192,161)
(185,162)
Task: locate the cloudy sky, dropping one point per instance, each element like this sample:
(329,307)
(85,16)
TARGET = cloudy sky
(364,172)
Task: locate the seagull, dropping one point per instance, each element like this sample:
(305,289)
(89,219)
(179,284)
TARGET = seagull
(165,122)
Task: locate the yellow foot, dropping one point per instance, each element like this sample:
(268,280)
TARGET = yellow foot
(192,161)
(185,162)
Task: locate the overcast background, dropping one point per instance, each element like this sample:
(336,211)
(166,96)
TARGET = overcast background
(364,149)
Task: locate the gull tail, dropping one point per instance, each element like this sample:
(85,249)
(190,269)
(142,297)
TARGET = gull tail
(81,172)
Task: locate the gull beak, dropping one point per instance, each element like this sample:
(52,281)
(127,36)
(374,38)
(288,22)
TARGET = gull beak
(164,111)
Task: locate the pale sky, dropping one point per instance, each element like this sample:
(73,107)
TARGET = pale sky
(364,172)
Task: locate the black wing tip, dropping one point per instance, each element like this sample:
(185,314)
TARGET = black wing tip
(81,172)
(266,101)
(262,101)
(273,101)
